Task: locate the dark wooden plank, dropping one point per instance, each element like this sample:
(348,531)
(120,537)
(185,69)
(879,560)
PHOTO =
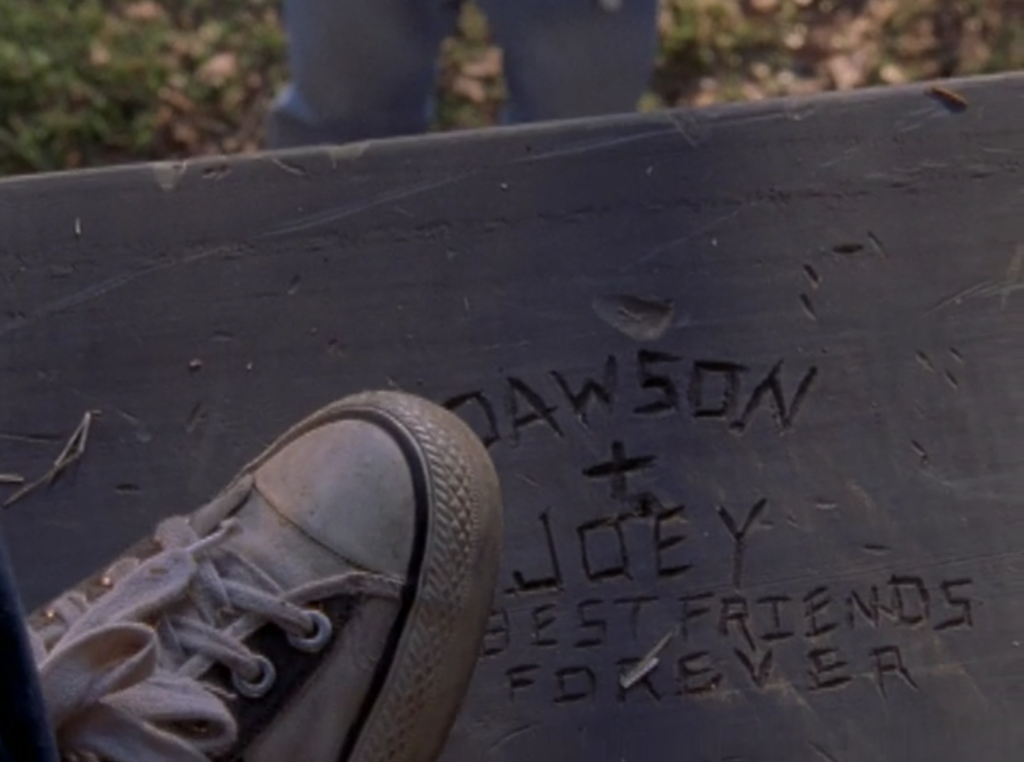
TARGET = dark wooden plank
(752,377)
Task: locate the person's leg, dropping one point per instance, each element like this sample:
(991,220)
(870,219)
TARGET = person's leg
(360,69)
(25,734)
(570,58)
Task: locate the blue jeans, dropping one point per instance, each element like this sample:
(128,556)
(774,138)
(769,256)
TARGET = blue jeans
(367,68)
(25,734)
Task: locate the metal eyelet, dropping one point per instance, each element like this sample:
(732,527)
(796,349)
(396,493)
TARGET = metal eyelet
(259,687)
(322,631)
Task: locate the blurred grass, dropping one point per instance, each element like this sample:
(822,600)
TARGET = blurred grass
(92,82)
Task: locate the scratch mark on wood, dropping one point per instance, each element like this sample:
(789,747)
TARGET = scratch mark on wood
(1013,276)
(822,752)
(308,222)
(514,733)
(977,289)
(592,145)
(105,287)
(291,169)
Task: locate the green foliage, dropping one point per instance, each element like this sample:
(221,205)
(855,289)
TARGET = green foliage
(86,82)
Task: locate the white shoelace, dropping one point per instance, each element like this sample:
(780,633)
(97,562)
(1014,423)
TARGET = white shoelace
(118,672)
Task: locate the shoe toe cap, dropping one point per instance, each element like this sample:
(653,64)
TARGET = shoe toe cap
(349,486)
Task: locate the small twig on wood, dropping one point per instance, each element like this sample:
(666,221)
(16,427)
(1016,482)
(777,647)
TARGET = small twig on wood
(643,667)
(26,489)
(73,449)
(951,99)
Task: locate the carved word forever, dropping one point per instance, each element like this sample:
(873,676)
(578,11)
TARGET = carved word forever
(819,639)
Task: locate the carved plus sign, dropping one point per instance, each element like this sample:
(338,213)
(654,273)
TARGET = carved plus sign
(618,468)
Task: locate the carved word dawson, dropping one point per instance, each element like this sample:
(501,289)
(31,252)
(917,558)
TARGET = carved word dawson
(654,383)
(822,639)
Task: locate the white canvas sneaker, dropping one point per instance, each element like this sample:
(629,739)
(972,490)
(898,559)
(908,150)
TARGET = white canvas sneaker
(328,605)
